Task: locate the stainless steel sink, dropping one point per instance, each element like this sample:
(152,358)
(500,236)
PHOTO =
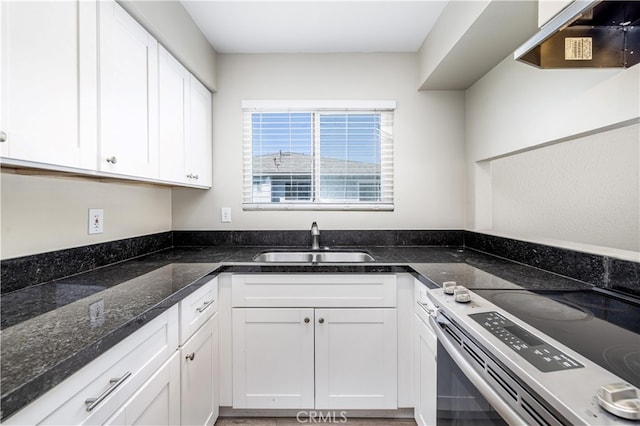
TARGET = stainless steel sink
(332,256)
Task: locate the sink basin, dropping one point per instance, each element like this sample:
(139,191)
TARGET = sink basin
(344,256)
(314,257)
(284,256)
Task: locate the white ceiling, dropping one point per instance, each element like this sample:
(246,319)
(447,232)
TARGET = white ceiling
(307,26)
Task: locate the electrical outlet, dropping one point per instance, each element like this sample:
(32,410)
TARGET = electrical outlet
(96,313)
(96,221)
(225,214)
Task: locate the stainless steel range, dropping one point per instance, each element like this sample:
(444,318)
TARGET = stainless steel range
(547,358)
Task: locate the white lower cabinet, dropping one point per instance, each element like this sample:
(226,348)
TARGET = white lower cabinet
(426,385)
(301,358)
(157,402)
(199,376)
(92,396)
(273,358)
(356,358)
(165,373)
(314,341)
(425,365)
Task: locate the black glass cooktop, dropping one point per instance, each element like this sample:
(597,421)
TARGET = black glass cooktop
(601,326)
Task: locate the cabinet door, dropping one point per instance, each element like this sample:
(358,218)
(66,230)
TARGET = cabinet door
(273,358)
(198,148)
(128,89)
(199,376)
(425,374)
(48,82)
(173,104)
(157,402)
(356,359)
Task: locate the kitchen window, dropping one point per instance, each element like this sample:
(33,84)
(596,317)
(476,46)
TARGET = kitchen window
(318,155)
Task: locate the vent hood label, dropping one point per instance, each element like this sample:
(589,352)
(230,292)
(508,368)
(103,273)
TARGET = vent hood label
(578,49)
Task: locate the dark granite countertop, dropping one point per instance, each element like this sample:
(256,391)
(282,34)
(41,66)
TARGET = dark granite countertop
(48,333)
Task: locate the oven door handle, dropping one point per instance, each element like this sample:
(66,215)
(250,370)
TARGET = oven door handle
(492,397)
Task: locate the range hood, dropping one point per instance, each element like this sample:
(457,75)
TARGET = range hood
(587,34)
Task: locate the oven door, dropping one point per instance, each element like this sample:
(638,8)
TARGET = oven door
(463,396)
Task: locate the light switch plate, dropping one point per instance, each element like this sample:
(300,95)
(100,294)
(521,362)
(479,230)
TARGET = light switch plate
(225,214)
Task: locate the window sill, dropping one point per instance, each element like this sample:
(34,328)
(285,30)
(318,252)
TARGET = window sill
(317,207)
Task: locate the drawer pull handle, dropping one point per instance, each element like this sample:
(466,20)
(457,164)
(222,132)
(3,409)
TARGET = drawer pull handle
(191,356)
(94,402)
(204,306)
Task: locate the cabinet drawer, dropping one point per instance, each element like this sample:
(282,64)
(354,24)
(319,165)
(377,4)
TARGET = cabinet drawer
(197,308)
(133,361)
(314,290)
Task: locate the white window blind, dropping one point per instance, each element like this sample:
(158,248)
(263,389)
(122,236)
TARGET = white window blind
(324,158)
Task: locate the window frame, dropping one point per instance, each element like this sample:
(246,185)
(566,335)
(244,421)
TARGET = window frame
(386,109)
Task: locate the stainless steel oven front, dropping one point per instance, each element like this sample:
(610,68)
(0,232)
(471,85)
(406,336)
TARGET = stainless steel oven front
(474,390)
(492,369)
(459,401)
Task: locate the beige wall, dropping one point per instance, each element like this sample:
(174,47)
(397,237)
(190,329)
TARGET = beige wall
(428,132)
(41,214)
(451,26)
(517,108)
(584,190)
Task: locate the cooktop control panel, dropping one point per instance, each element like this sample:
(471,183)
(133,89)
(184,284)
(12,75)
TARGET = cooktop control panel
(541,355)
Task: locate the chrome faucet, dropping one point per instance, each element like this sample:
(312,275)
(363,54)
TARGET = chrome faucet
(315,236)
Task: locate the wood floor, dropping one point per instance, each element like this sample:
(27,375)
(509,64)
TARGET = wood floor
(272,421)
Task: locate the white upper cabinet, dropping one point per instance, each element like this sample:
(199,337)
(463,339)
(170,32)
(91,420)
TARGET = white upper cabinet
(48,108)
(85,88)
(128,95)
(173,109)
(185,124)
(198,146)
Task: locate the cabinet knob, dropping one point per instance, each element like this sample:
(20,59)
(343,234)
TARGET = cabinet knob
(3,136)
(112,159)
(306,320)
(191,356)
(321,320)
(192,176)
